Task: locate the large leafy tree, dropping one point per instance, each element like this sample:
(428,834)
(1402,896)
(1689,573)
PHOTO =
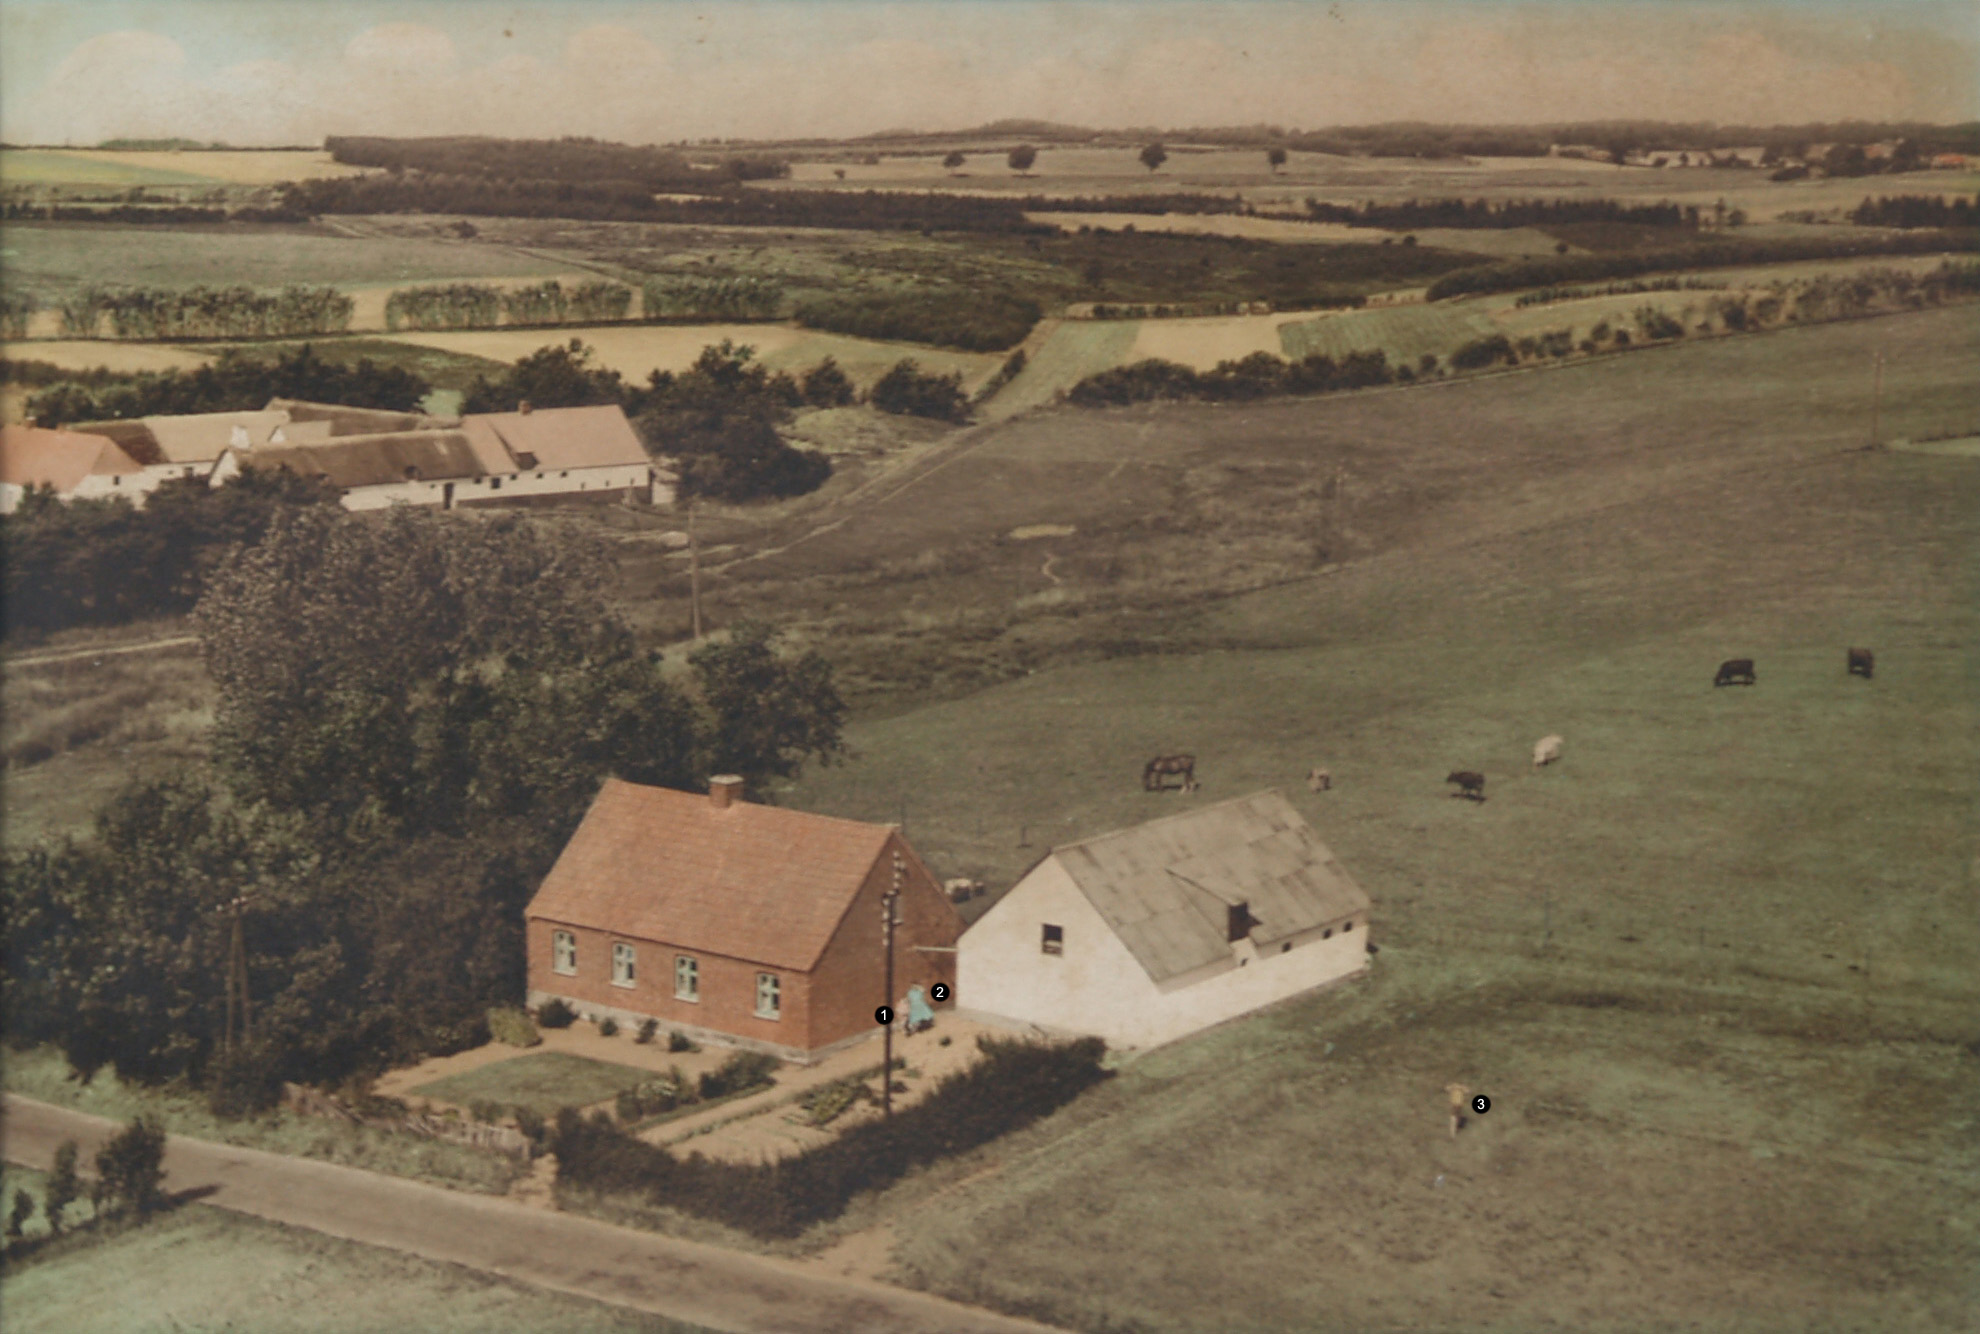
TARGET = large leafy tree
(557,376)
(767,713)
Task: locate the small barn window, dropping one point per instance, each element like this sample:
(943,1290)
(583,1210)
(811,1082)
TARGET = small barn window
(494,484)
(1286,948)
(1054,939)
(563,952)
(624,964)
(1349,926)
(769,996)
(1328,934)
(687,978)
(1237,922)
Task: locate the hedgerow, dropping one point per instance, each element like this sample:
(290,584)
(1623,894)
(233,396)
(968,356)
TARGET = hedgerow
(1011,1085)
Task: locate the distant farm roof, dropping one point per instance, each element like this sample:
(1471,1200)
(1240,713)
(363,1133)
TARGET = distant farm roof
(1165,887)
(757,883)
(559,438)
(374,460)
(355,421)
(36,456)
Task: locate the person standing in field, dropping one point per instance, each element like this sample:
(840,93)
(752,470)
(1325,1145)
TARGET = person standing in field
(1460,1097)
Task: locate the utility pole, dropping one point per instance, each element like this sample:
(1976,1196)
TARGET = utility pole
(888,903)
(1876,401)
(694,575)
(237,977)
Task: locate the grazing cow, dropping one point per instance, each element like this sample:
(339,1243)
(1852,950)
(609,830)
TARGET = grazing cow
(1318,780)
(1863,663)
(1546,750)
(1735,672)
(1469,784)
(1460,1097)
(1155,775)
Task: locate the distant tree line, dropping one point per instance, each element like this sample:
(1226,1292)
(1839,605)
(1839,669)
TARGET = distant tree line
(976,319)
(1484,213)
(577,160)
(205,312)
(1260,375)
(742,297)
(1719,252)
(869,210)
(1917,211)
(1547,296)
(172,215)
(233,382)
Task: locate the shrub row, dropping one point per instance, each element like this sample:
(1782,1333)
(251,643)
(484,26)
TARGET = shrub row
(205,312)
(737,298)
(1511,275)
(971,319)
(1011,1085)
(1260,375)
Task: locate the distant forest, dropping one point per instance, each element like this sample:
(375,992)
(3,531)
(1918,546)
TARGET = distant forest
(587,160)
(483,196)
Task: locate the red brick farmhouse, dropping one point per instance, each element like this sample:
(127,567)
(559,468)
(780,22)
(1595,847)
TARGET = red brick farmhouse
(741,923)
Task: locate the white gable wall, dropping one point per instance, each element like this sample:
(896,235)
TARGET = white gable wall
(1098,987)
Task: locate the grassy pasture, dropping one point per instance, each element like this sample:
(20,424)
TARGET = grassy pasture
(1714,968)
(1498,242)
(82,354)
(543,1081)
(201,1267)
(1405,333)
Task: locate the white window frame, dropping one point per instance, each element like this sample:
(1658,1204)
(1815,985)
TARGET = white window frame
(774,991)
(687,968)
(625,964)
(563,953)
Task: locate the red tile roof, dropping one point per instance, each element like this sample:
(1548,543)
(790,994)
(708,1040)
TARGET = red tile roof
(559,438)
(32,455)
(749,882)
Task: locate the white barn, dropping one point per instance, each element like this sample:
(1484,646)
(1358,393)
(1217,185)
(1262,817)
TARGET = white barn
(505,458)
(1147,934)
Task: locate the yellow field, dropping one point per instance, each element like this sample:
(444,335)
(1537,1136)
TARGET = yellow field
(636,350)
(82,354)
(89,166)
(1202,343)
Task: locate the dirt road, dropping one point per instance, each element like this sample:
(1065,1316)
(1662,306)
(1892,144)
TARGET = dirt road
(704,1285)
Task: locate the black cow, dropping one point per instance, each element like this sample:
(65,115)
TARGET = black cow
(1469,784)
(1863,663)
(1735,672)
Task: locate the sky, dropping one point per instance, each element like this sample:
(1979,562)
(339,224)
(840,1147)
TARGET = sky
(292,71)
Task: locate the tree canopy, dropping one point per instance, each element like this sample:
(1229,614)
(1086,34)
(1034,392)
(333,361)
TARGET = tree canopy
(1022,157)
(1153,156)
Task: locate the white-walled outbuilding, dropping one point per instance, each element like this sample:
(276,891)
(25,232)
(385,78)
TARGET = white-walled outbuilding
(1147,934)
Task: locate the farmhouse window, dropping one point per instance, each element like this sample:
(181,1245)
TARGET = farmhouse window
(1054,940)
(494,484)
(687,978)
(1328,934)
(1349,926)
(1237,924)
(623,964)
(563,952)
(769,996)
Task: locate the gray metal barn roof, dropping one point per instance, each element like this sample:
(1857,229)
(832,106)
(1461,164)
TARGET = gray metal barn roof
(1164,887)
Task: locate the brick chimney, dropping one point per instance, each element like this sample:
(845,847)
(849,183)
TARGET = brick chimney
(724,790)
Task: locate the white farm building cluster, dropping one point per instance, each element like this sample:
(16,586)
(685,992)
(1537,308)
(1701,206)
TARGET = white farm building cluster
(373,458)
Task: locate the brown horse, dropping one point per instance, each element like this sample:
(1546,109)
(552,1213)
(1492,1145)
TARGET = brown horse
(1469,784)
(1863,663)
(1155,775)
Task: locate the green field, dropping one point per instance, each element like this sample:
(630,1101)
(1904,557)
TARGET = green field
(204,1268)
(1714,968)
(543,1081)
(54,259)
(1405,333)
